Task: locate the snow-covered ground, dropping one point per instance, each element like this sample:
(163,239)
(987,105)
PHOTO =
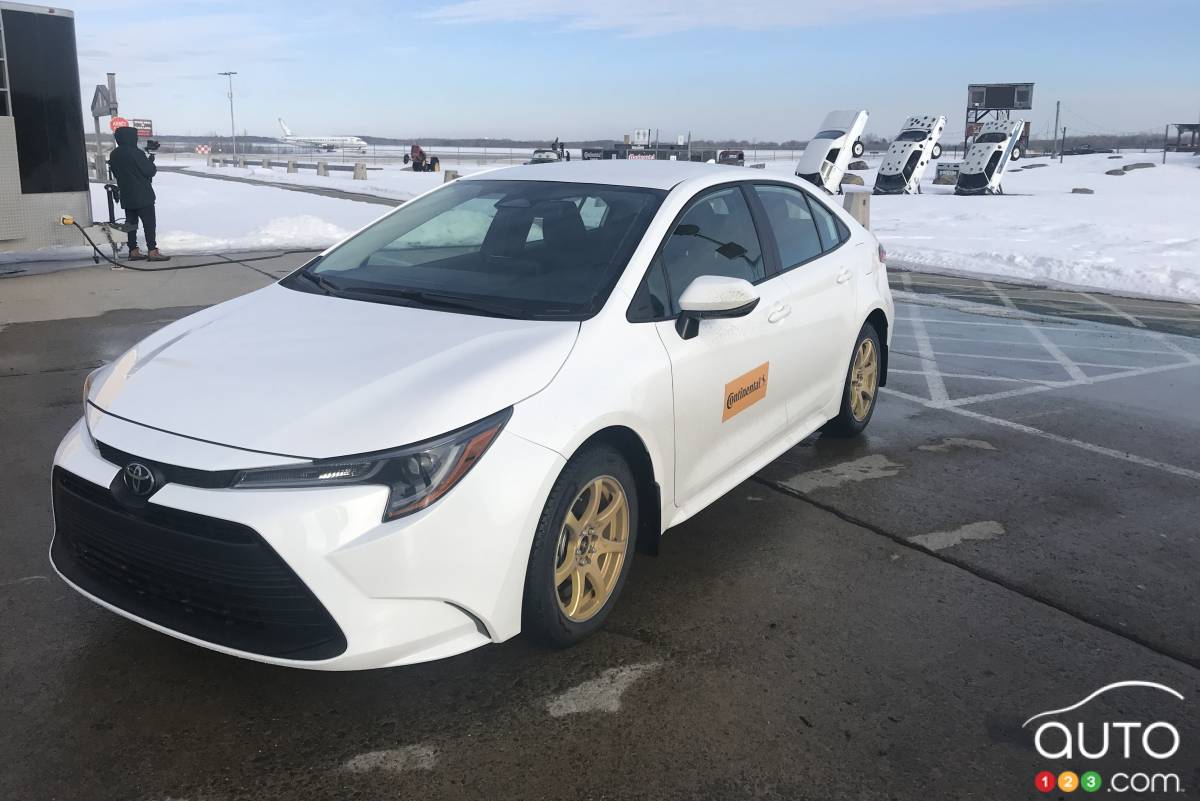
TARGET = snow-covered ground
(390,182)
(198,215)
(1139,234)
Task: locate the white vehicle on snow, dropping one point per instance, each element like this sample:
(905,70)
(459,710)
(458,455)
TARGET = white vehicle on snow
(462,421)
(997,143)
(909,154)
(827,157)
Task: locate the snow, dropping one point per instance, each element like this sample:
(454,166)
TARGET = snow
(1137,235)
(390,182)
(200,215)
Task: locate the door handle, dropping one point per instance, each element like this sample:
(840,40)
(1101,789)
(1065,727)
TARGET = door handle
(778,313)
(844,276)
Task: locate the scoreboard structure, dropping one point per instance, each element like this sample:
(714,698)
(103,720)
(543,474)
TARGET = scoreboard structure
(996,101)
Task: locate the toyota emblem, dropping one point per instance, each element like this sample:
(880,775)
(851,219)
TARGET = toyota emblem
(139,479)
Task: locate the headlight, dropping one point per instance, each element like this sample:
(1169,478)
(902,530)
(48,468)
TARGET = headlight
(416,475)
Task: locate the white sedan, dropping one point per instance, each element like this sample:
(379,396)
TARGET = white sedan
(462,421)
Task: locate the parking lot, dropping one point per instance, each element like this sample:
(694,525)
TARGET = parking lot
(869,618)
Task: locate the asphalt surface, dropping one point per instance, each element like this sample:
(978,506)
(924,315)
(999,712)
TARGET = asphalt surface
(867,619)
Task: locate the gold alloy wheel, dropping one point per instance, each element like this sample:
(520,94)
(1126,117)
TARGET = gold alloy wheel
(864,380)
(591,550)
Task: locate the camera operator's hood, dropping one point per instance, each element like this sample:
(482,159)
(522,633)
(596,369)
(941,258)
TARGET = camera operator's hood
(126,136)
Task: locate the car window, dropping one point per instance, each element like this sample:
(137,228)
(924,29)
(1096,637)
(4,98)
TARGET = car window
(912,135)
(830,134)
(832,230)
(716,236)
(529,249)
(652,301)
(792,223)
(990,138)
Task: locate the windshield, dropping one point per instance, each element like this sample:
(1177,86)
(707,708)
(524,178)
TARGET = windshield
(830,134)
(990,138)
(526,249)
(912,136)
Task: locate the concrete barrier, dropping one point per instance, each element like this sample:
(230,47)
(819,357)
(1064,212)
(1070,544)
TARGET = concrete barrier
(858,203)
(240,161)
(291,166)
(449,175)
(360,170)
(266,164)
(213,161)
(323,168)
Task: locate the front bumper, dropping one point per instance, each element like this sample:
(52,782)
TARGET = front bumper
(430,585)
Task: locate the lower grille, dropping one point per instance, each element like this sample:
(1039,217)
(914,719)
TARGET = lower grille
(211,579)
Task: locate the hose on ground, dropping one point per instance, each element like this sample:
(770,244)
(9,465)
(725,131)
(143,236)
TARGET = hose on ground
(223,259)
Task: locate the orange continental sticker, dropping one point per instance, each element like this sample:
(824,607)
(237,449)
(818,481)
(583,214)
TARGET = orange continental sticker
(746,390)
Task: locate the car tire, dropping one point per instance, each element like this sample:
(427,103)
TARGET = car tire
(1016,154)
(857,149)
(937,151)
(862,375)
(564,559)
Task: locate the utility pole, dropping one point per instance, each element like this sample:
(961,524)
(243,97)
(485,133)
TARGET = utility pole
(1057,103)
(232,127)
(1063,150)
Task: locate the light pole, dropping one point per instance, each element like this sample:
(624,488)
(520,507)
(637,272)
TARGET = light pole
(232,127)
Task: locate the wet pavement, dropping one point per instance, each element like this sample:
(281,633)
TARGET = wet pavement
(866,619)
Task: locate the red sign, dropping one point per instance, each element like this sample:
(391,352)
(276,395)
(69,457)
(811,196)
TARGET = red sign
(118,122)
(203,150)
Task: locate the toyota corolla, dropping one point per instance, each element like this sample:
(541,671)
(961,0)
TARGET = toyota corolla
(464,420)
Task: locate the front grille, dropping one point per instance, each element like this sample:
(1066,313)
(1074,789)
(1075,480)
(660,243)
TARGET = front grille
(208,578)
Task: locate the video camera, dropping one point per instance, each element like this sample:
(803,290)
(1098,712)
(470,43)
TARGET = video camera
(152,145)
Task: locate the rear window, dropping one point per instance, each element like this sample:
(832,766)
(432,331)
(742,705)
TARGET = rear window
(792,222)
(832,133)
(530,249)
(912,136)
(990,138)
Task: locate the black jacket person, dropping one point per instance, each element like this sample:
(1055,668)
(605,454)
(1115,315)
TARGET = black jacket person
(133,171)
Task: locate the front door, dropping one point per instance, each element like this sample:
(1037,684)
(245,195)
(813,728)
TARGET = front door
(727,380)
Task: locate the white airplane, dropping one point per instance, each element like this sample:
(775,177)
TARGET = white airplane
(329,143)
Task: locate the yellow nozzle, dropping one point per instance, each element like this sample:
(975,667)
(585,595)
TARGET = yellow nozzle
(67,219)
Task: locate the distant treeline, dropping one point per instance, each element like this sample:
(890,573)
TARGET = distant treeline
(1138,141)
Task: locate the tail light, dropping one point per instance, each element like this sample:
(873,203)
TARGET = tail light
(882,256)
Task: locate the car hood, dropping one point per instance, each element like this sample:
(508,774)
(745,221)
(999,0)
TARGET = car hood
(897,156)
(298,374)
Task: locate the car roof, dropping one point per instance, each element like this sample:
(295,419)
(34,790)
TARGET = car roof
(618,172)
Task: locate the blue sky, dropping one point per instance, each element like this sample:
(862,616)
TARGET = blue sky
(758,69)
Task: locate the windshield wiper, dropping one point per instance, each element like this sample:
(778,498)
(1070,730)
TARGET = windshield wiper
(442,300)
(320,281)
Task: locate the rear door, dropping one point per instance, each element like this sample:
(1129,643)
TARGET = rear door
(816,260)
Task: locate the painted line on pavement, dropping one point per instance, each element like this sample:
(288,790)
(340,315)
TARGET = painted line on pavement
(933,379)
(1037,432)
(1071,367)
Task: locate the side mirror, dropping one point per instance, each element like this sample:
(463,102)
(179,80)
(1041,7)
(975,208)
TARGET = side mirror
(713,297)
